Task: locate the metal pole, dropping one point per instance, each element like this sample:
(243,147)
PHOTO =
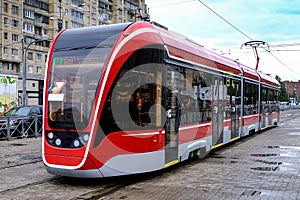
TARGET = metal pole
(24,94)
(60,20)
(24,50)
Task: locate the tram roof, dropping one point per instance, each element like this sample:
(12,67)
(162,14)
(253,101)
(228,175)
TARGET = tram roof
(183,43)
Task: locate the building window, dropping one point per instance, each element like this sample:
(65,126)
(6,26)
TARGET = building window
(45,31)
(76,15)
(5,36)
(38,57)
(5,50)
(29,14)
(30,69)
(5,7)
(28,28)
(59,10)
(93,21)
(1,66)
(15,37)
(66,24)
(5,21)
(10,66)
(15,9)
(39,70)
(30,56)
(93,10)
(15,23)
(14,52)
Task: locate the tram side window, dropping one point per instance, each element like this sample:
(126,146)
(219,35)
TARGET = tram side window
(227,108)
(250,98)
(272,100)
(196,97)
(264,98)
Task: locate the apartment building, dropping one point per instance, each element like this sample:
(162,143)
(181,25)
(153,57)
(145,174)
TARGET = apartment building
(28,26)
(293,88)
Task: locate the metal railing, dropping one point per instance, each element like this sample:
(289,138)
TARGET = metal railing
(20,127)
(289,106)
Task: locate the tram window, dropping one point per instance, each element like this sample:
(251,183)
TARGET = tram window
(227,108)
(196,97)
(264,94)
(250,98)
(134,101)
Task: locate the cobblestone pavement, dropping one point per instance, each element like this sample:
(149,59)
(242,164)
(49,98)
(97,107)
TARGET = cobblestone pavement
(263,166)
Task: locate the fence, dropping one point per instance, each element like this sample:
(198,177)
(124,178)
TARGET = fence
(20,127)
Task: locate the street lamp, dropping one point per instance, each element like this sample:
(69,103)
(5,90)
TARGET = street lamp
(24,74)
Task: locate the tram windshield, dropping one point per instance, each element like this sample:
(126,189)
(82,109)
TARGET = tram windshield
(77,64)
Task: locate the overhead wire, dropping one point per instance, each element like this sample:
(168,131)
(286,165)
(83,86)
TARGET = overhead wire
(171,4)
(237,29)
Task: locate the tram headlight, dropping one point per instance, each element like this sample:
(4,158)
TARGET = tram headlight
(86,137)
(58,142)
(50,135)
(76,143)
(83,139)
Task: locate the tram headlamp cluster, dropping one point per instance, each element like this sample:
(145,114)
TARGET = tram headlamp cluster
(80,141)
(67,139)
(52,139)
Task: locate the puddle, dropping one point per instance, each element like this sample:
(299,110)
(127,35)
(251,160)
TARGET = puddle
(224,159)
(18,144)
(275,168)
(269,162)
(282,147)
(273,147)
(294,133)
(290,147)
(251,193)
(264,154)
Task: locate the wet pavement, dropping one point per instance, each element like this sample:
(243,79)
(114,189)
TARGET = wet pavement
(263,166)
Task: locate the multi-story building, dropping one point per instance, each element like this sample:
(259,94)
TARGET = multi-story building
(28,26)
(24,42)
(80,13)
(293,88)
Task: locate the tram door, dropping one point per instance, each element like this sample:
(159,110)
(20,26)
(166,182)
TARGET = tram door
(264,108)
(218,94)
(173,115)
(235,99)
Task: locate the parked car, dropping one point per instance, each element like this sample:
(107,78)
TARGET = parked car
(21,121)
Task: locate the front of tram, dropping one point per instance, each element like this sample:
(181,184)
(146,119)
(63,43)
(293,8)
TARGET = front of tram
(76,64)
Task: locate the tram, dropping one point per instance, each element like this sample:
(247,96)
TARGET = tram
(135,97)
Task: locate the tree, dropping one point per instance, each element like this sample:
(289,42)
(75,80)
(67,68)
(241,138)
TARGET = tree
(283,94)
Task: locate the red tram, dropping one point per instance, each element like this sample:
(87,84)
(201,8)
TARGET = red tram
(131,98)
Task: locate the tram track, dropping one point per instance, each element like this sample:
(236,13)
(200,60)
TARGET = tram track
(17,160)
(29,185)
(23,176)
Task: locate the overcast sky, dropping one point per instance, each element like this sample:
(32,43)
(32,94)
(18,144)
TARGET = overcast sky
(277,22)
